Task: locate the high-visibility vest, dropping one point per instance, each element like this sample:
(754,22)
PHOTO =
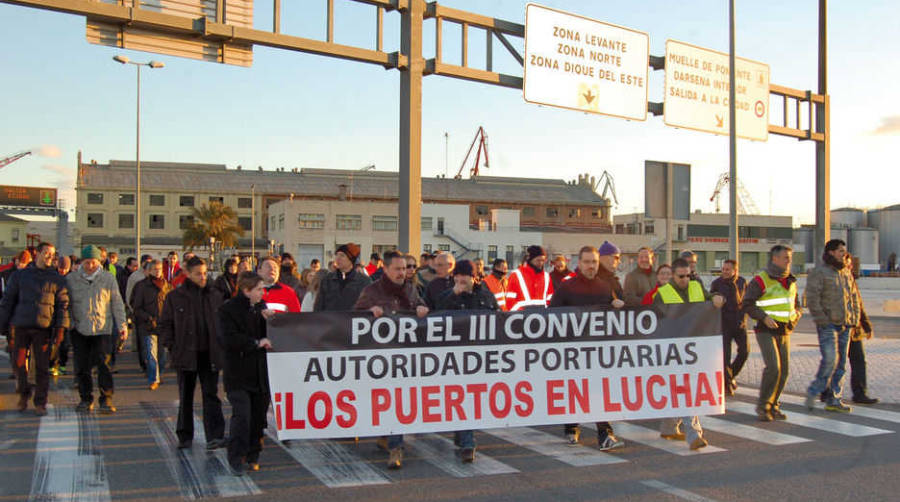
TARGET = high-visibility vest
(528,288)
(669,295)
(499,288)
(777,302)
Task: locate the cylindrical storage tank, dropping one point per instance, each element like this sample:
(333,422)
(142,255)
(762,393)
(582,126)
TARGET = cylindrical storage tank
(839,233)
(848,217)
(888,231)
(803,242)
(864,246)
(873,218)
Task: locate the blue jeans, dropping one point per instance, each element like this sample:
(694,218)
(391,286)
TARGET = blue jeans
(464,439)
(156,358)
(833,342)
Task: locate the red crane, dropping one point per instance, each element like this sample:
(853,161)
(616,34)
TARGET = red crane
(9,160)
(481,139)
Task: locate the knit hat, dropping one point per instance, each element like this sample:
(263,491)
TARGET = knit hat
(90,251)
(533,252)
(608,248)
(464,267)
(351,250)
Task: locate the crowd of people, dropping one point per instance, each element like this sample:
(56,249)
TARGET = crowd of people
(185,320)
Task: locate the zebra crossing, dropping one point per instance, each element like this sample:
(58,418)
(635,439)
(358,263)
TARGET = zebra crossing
(70,450)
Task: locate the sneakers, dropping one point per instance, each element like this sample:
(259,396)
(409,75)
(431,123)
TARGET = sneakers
(676,436)
(838,406)
(864,399)
(253,466)
(154,385)
(467,455)
(810,401)
(22,405)
(184,444)
(572,437)
(62,370)
(215,444)
(54,371)
(764,415)
(106,408)
(609,442)
(699,443)
(40,410)
(85,407)
(777,414)
(395,458)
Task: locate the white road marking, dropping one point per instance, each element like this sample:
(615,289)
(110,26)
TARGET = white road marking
(813,422)
(650,437)
(554,446)
(862,411)
(441,453)
(674,491)
(749,432)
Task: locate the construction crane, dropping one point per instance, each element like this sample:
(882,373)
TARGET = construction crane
(9,160)
(609,187)
(481,139)
(745,204)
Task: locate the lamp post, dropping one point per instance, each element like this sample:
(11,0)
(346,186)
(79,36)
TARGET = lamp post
(253,224)
(137,148)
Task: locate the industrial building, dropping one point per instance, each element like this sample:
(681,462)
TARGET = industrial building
(873,236)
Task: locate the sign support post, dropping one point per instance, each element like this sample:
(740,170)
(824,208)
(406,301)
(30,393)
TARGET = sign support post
(733,236)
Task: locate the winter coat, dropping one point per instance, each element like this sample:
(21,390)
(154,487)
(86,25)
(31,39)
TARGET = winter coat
(228,289)
(338,292)
(832,296)
(436,289)
(755,290)
(638,283)
(147,300)
(480,298)
(528,288)
(581,291)
(733,290)
(281,298)
(186,311)
(392,298)
(35,298)
(95,305)
(241,326)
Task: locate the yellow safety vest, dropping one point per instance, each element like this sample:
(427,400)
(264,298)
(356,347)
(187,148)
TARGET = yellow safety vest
(669,295)
(777,302)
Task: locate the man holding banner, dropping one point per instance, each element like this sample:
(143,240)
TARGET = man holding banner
(682,289)
(591,286)
(390,295)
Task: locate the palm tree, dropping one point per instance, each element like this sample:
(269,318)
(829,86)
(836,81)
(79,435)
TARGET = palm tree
(213,220)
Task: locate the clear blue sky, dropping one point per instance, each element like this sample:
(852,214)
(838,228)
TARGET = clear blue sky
(298,110)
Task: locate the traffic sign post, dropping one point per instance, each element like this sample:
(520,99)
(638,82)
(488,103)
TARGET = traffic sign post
(582,64)
(697,92)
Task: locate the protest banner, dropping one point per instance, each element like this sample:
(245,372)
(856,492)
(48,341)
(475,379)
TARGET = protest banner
(341,374)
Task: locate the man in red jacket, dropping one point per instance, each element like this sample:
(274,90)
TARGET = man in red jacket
(278,297)
(529,285)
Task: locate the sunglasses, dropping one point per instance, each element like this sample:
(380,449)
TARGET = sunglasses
(410,266)
(682,276)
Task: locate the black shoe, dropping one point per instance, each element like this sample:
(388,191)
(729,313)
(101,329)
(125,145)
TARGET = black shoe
(467,455)
(107,408)
(215,444)
(864,399)
(823,397)
(184,444)
(85,407)
(237,469)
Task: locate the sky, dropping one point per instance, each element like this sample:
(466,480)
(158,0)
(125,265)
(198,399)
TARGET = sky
(291,109)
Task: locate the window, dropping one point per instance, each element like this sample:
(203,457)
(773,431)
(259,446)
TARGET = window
(245,222)
(492,253)
(427,221)
(383,248)
(552,212)
(311,220)
(528,211)
(126,220)
(216,198)
(95,198)
(481,210)
(126,199)
(384,223)
(281,221)
(185,221)
(95,220)
(574,212)
(157,200)
(16,235)
(348,222)
(245,202)
(649,227)
(186,201)
(157,221)
(426,248)
(444,247)
(509,256)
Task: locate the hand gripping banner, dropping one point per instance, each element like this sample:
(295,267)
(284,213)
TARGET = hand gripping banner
(342,374)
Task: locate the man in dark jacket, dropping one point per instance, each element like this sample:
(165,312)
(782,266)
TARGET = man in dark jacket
(187,328)
(242,332)
(734,325)
(35,308)
(560,270)
(387,296)
(467,294)
(20,261)
(443,280)
(340,289)
(147,301)
(771,299)
(595,283)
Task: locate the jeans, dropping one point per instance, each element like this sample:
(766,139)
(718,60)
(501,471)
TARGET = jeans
(464,439)
(156,358)
(833,343)
(776,354)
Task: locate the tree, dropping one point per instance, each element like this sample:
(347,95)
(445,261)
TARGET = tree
(213,220)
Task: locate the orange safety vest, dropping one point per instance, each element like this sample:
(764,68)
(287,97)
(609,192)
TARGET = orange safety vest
(499,287)
(528,288)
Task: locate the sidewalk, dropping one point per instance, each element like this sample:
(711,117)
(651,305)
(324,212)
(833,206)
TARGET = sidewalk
(882,365)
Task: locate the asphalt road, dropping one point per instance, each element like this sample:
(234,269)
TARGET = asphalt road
(131,456)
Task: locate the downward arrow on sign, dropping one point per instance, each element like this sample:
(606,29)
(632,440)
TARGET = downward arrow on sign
(588,97)
(718,121)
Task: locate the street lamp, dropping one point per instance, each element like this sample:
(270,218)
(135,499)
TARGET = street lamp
(137,148)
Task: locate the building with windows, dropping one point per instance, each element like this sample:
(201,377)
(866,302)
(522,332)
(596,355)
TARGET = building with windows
(12,236)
